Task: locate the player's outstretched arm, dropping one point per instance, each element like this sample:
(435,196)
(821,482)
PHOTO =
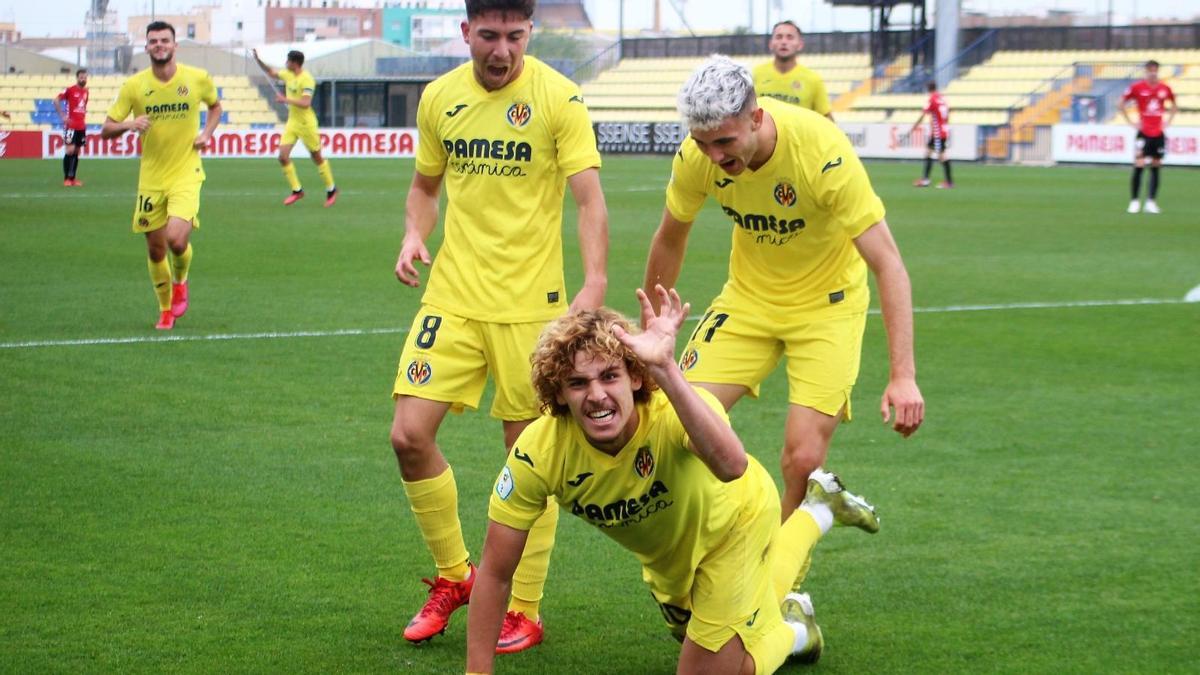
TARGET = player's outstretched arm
(712,439)
(917,124)
(666,253)
(271,72)
(420,217)
(501,552)
(879,250)
(593,238)
(112,128)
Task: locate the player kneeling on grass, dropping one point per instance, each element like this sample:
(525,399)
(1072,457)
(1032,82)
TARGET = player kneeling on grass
(633,449)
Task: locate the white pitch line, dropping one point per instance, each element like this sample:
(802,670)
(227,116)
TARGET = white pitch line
(283,335)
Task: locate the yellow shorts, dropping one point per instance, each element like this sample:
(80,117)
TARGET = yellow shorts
(155,206)
(447,358)
(305,133)
(743,346)
(732,592)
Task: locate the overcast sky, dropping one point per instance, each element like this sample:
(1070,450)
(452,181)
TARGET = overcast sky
(37,18)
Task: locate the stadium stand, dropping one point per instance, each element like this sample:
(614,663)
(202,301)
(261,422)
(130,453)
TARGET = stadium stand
(30,99)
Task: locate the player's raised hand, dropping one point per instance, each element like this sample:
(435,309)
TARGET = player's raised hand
(411,251)
(655,345)
(904,396)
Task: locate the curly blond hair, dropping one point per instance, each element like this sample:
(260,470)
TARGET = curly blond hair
(589,332)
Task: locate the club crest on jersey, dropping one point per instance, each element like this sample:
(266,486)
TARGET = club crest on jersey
(643,463)
(689,359)
(419,372)
(182,90)
(785,194)
(519,114)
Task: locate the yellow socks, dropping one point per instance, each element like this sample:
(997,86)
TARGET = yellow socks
(181,263)
(160,277)
(530,576)
(791,551)
(326,174)
(289,172)
(434,502)
(770,651)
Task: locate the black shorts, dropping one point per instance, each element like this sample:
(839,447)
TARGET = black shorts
(937,144)
(1153,147)
(74,136)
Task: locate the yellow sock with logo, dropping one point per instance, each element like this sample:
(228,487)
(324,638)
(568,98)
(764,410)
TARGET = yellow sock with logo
(289,172)
(530,576)
(160,277)
(181,264)
(326,174)
(791,551)
(434,502)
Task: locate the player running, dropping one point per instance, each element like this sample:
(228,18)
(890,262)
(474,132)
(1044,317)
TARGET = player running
(807,226)
(301,125)
(506,133)
(74,119)
(1151,97)
(939,133)
(784,79)
(165,103)
(628,446)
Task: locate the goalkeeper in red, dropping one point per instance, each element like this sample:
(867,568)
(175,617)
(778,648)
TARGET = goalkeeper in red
(164,101)
(634,450)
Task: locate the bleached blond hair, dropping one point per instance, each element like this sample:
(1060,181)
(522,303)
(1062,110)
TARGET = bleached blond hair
(720,88)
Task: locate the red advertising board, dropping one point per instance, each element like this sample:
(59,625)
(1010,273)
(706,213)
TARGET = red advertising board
(20,144)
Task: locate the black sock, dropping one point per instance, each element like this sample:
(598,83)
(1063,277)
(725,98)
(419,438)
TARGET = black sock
(66,167)
(928,166)
(1153,182)
(74,165)
(946,168)
(1137,182)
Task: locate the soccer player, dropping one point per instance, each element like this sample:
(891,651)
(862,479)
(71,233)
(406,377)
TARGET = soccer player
(807,226)
(507,134)
(301,125)
(74,119)
(784,79)
(628,446)
(1151,97)
(939,117)
(164,101)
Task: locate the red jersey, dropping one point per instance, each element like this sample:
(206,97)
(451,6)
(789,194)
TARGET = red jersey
(939,115)
(77,100)
(1151,100)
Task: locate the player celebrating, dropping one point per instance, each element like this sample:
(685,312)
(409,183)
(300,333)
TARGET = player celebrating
(784,79)
(805,221)
(165,103)
(301,125)
(507,134)
(1151,97)
(939,133)
(639,454)
(75,121)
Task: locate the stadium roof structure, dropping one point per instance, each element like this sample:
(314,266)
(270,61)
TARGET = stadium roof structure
(881,24)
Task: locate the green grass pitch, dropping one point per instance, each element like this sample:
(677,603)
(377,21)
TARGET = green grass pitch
(234,506)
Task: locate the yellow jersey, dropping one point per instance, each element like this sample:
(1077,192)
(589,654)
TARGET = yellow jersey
(506,156)
(795,217)
(168,157)
(798,86)
(655,497)
(296,87)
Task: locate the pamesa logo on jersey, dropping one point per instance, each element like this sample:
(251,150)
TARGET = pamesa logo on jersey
(785,194)
(519,114)
(419,372)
